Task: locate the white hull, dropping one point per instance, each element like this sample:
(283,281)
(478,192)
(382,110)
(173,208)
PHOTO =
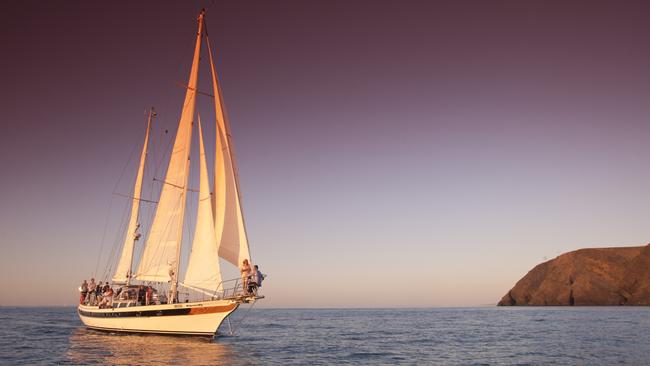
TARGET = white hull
(197,318)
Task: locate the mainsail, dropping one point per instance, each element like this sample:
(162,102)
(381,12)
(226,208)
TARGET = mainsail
(123,269)
(203,270)
(160,259)
(229,222)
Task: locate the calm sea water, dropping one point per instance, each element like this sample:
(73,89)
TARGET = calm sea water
(455,336)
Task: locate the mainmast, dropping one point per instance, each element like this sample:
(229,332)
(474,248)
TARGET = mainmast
(190,99)
(161,258)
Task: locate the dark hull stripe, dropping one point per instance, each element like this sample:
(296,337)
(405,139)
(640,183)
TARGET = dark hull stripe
(164,312)
(204,334)
(131,314)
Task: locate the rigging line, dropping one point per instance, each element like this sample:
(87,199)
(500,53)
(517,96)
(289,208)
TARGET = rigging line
(190,236)
(185,106)
(111,259)
(147,155)
(133,198)
(146,215)
(150,159)
(183,86)
(170,96)
(150,210)
(116,242)
(133,150)
(175,185)
(243,318)
(159,163)
(101,246)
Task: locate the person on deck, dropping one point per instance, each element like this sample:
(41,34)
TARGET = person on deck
(245,274)
(99,291)
(148,295)
(256,279)
(92,287)
(108,297)
(260,276)
(84,292)
(141,294)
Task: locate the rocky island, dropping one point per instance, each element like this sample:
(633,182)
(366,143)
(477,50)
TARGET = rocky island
(599,276)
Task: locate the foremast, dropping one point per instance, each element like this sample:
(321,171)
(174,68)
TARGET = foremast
(125,265)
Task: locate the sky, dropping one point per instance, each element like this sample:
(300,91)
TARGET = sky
(391,153)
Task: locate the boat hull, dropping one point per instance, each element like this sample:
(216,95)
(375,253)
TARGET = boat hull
(197,318)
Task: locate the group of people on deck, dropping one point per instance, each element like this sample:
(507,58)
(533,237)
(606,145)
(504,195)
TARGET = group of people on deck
(251,278)
(94,294)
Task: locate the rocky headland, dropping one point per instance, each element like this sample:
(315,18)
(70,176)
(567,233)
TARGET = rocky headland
(599,276)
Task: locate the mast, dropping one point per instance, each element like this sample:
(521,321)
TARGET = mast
(125,264)
(190,98)
(161,258)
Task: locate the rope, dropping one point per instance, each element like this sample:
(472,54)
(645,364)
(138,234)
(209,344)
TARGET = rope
(101,245)
(241,321)
(117,244)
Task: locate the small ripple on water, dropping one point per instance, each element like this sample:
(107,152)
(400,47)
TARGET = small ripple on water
(366,355)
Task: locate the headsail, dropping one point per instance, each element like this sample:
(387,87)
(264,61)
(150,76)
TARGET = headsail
(123,269)
(203,267)
(160,259)
(229,221)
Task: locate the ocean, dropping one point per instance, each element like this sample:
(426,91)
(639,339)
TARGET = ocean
(437,336)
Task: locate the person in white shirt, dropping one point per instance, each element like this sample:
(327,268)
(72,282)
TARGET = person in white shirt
(245,274)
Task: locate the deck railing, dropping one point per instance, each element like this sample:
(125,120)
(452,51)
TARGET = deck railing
(232,289)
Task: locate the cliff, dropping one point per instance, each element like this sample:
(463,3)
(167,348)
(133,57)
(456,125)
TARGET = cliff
(604,276)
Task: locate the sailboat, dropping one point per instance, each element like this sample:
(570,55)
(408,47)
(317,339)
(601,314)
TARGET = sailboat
(139,304)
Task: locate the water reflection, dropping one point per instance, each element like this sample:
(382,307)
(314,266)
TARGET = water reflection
(94,347)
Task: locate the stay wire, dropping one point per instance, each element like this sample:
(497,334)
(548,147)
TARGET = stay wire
(243,318)
(101,246)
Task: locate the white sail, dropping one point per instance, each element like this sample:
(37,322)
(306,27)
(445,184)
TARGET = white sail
(159,261)
(229,222)
(123,269)
(203,267)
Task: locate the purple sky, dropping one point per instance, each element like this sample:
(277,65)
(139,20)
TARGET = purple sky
(397,153)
